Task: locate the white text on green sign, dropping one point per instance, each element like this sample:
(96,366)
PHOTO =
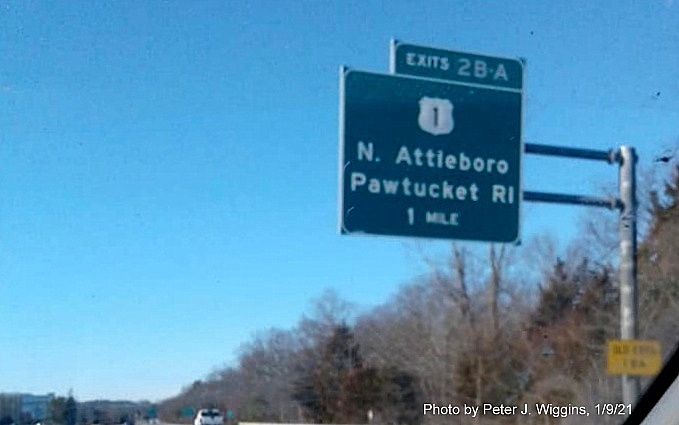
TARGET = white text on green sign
(431,159)
(450,65)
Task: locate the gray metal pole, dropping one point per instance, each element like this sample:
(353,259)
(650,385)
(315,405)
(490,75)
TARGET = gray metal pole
(628,262)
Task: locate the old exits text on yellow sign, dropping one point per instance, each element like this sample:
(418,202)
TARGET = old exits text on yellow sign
(633,357)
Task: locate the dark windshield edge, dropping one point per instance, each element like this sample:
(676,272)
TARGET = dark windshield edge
(656,390)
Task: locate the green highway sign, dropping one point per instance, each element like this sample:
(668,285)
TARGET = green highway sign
(427,158)
(463,67)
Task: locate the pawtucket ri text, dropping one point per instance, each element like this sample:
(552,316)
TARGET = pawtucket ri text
(439,189)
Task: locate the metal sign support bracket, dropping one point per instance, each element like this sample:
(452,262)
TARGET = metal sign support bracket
(626,203)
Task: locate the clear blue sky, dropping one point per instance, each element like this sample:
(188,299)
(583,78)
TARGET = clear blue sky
(168,169)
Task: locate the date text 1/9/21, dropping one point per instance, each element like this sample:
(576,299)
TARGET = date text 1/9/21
(613,409)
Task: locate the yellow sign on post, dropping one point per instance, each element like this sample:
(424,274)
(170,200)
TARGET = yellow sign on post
(633,357)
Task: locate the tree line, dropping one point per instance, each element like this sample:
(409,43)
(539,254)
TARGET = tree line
(66,410)
(498,324)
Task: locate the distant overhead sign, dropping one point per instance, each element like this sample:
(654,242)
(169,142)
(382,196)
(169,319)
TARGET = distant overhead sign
(451,65)
(633,357)
(429,158)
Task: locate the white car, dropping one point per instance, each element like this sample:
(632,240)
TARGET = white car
(209,417)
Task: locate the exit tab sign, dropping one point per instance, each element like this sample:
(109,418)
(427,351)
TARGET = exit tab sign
(633,357)
(456,66)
